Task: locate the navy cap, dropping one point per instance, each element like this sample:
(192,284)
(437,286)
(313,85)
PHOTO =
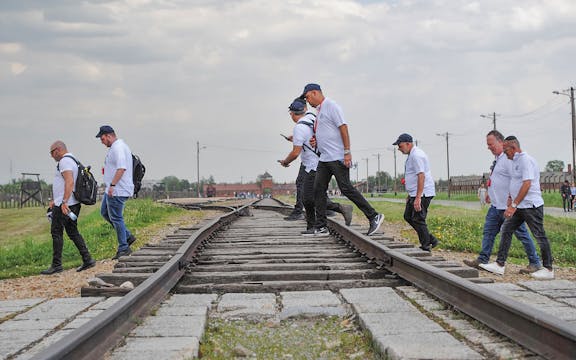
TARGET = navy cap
(310,87)
(297,106)
(105,129)
(403,138)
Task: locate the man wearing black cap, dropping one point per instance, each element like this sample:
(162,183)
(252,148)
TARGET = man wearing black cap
(420,188)
(303,132)
(333,141)
(119,187)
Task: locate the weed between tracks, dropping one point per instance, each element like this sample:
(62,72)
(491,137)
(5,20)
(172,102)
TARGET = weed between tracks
(301,338)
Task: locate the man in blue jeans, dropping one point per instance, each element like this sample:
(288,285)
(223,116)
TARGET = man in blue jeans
(498,193)
(119,187)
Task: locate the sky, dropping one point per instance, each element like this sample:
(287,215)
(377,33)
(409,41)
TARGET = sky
(168,75)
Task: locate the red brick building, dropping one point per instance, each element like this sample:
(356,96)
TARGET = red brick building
(265,187)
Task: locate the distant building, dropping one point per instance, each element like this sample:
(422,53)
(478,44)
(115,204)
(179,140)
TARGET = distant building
(264,187)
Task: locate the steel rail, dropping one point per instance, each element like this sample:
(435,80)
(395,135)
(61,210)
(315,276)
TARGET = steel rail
(93,339)
(542,333)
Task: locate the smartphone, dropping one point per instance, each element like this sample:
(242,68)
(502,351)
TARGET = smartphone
(285,137)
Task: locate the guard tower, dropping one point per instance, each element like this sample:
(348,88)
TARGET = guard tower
(30,189)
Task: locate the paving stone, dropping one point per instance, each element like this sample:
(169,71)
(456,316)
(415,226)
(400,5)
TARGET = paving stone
(191,300)
(437,345)
(171,326)
(382,324)
(90,314)
(459,324)
(536,285)
(376,300)
(58,308)
(566,313)
(27,324)
(569,301)
(527,297)
(182,311)
(158,348)
(249,306)
(13,341)
(560,293)
(431,305)
(500,287)
(105,304)
(38,348)
(76,323)
(18,305)
(311,303)
(506,350)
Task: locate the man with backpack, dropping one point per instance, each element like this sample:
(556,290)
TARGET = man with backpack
(309,155)
(65,209)
(119,187)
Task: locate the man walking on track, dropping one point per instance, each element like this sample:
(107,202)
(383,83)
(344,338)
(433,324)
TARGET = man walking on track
(333,141)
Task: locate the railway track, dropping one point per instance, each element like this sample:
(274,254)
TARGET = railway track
(251,249)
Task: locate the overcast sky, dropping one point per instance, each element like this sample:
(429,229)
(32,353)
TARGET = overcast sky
(167,74)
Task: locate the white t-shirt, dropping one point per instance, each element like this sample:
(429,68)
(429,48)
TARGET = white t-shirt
(119,156)
(499,188)
(65,164)
(328,137)
(300,137)
(417,162)
(524,168)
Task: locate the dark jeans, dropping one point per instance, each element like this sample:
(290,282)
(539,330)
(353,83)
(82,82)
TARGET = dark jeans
(308,200)
(417,219)
(567,202)
(112,211)
(324,173)
(534,218)
(59,223)
(492,224)
(299,189)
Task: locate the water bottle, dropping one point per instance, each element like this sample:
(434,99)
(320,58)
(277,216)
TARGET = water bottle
(49,215)
(72,216)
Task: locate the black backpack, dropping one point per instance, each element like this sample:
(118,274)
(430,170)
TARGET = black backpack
(86,187)
(138,171)
(311,126)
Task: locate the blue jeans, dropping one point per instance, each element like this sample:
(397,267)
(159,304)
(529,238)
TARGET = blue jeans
(112,211)
(534,218)
(492,225)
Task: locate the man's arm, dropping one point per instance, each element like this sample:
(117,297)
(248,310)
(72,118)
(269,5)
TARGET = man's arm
(419,192)
(521,195)
(117,176)
(346,141)
(292,155)
(68,176)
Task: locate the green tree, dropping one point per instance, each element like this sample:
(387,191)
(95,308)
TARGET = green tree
(555,165)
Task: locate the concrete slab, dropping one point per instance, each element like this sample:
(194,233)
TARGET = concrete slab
(11,342)
(191,300)
(249,306)
(28,325)
(566,313)
(560,293)
(171,326)
(182,311)
(431,305)
(500,287)
(105,304)
(398,323)
(536,285)
(18,305)
(376,300)
(568,301)
(311,303)
(38,348)
(158,348)
(438,345)
(528,297)
(58,308)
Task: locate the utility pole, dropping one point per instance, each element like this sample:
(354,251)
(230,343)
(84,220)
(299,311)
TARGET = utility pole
(446,135)
(198,167)
(492,116)
(393,149)
(366,174)
(571,95)
(378,173)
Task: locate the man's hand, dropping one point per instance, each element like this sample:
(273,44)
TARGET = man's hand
(348,160)
(313,141)
(418,204)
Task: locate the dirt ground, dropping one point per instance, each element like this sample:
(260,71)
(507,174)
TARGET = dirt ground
(69,282)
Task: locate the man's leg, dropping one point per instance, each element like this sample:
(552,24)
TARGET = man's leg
(524,236)
(57,232)
(323,175)
(535,219)
(71,227)
(308,198)
(492,223)
(509,226)
(296,213)
(115,213)
(342,175)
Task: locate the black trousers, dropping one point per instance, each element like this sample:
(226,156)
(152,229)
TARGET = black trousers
(324,173)
(61,222)
(308,200)
(417,219)
(299,207)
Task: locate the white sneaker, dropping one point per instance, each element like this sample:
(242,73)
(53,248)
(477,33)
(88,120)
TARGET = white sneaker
(493,268)
(543,274)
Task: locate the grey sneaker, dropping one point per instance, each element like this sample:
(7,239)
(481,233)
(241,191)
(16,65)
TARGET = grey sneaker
(530,269)
(323,231)
(375,224)
(347,213)
(294,217)
(472,263)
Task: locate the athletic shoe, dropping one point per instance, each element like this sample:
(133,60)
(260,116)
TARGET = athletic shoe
(131,239)
(52,270)
(543,274)
(347,213)
(294,217)
(375,224)
(472,263)
(316,232)
(493,268)
(530,269)
(119,254)
(86,265)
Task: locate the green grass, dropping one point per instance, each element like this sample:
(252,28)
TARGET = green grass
(26,243)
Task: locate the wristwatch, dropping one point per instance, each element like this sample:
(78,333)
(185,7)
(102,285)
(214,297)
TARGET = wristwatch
(346,151)
(514,205)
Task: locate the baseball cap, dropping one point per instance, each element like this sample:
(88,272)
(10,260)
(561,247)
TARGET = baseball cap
(310,87)
(297,106)
(403,138)
(104,129)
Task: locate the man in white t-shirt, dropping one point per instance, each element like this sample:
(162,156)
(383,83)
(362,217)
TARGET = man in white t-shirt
(420,188)
(62,205)
(119,187)
(526,205)
(333,141)
(302,133)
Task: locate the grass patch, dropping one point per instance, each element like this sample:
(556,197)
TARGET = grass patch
(316,338)
(26,243)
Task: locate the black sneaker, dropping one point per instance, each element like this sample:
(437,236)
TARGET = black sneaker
(119,254)
(131,239)
(375,224)
(86,265)
(323,231)
(294,217)
(347,213)
(52,270)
